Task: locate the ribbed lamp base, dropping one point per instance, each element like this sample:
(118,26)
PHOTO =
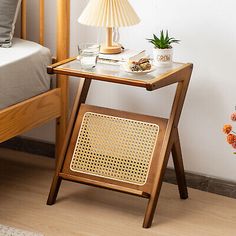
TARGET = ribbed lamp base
(114,49)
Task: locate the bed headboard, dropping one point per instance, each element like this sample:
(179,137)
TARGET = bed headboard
(24,20)
(62,52)
(63,26)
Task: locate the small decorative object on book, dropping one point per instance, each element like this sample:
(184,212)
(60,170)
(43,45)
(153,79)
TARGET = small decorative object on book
(163,51)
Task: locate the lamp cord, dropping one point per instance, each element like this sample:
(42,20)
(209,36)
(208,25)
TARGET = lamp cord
(116,35)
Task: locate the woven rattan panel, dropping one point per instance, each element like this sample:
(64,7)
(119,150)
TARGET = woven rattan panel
(115,148)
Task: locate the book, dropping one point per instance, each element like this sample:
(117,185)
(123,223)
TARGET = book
(124,56)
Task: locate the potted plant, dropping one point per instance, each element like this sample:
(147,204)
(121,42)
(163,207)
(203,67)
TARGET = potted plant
(163,51)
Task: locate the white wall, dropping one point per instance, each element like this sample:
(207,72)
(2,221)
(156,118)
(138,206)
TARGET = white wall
(208,35)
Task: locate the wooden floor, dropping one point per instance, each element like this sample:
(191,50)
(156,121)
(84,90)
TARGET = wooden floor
(86,211)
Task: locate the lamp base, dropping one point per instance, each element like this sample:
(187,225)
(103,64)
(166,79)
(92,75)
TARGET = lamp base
(114,49)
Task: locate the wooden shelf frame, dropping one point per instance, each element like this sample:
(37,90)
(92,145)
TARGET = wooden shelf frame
(171,140)
(165,79)
(101,184)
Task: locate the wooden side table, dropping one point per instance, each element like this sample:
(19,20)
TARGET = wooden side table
(104,147)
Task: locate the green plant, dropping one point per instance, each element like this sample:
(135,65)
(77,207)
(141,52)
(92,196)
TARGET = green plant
(164,41)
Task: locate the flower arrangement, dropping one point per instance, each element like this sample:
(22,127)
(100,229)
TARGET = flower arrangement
(231,135)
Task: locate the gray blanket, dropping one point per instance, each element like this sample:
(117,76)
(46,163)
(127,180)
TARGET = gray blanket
(23,71)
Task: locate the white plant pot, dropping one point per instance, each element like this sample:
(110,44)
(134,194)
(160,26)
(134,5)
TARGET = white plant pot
(162,57)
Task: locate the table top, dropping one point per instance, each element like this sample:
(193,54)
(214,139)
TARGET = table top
(160,77)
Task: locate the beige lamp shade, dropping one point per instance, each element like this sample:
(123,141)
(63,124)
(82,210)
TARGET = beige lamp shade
(109,13)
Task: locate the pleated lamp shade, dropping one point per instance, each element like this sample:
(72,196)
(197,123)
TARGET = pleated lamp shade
(109,14)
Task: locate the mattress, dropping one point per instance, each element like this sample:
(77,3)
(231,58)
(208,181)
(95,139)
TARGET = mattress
(23,71)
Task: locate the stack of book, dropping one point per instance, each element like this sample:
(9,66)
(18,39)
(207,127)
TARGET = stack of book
(124,56)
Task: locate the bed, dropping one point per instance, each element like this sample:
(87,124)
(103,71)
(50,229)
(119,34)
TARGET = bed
(26,100)
(24,67)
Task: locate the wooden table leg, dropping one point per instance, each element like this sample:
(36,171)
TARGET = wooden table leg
(169,139)
(179,166)
(62,121)
(79,99)
(152,203)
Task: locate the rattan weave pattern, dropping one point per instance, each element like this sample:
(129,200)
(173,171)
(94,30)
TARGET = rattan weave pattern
(115,148)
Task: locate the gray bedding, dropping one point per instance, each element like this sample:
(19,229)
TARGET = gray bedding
(8,14)
(23,71)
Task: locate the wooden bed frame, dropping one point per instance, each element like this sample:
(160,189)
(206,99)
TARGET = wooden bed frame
(23,116)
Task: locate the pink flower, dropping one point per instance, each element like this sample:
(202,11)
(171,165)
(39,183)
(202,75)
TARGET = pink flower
(233,116)
(234,145)
(231,138)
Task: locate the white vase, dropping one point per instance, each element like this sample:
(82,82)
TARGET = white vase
(162,57)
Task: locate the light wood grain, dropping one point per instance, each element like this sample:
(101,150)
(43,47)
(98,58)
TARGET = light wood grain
(63,41)
(23,19)
(63,29)
(105,185)
(50,68)
(80,98)
(28,114)
(41,22)
(168,141)
(89,211)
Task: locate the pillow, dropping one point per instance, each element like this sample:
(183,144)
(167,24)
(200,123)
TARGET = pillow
(8,14)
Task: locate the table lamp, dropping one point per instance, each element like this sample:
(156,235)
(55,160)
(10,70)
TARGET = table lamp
(109,14)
